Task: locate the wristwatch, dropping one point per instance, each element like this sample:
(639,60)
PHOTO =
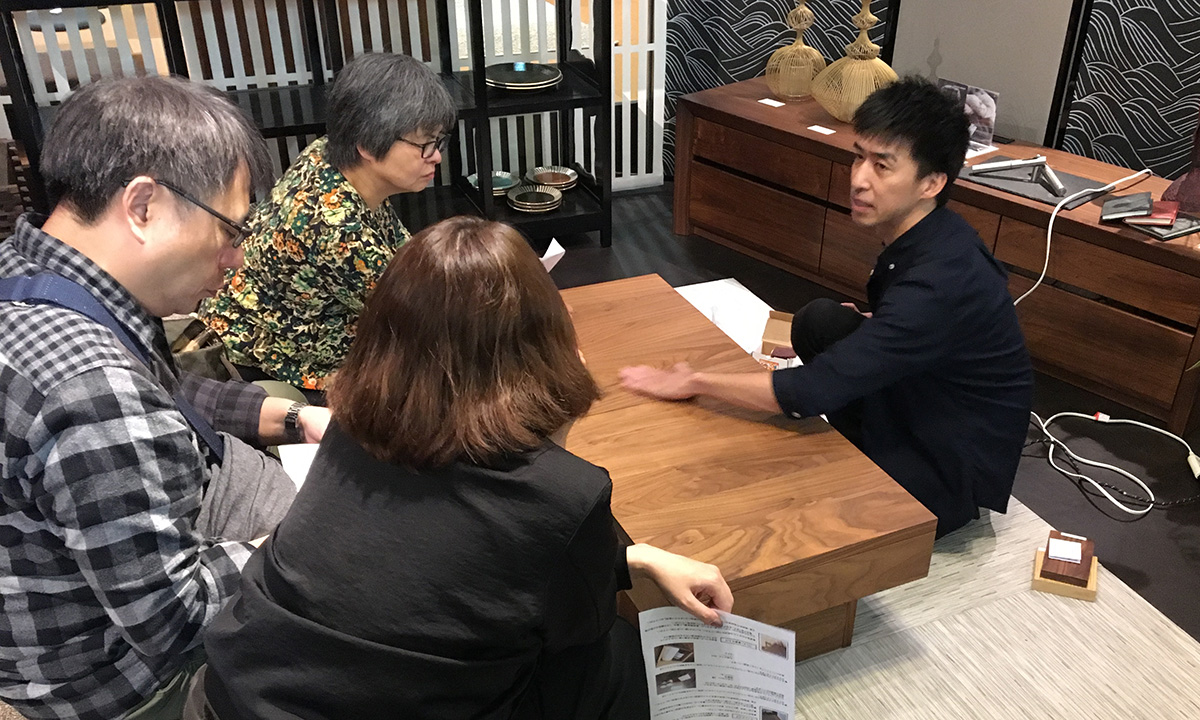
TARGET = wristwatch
(291,423)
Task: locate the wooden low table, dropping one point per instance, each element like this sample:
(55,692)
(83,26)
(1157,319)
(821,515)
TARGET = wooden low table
(801,523)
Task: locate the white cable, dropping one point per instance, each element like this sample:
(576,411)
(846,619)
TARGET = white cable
(1192,459)
(1058,208)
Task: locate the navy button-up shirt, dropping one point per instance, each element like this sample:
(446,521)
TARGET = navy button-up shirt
(941,367)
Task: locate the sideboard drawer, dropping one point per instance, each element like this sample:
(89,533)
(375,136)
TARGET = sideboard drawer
(839,185)
(752,155)
(781,224)
(1146,286)
(849,252)
(1100,343)
(985,222)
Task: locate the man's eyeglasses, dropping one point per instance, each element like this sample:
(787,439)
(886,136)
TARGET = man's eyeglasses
(240,231)
(439,143)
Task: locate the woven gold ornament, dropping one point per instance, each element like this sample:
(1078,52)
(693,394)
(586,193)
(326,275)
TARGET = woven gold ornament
(842,87)
(791,69)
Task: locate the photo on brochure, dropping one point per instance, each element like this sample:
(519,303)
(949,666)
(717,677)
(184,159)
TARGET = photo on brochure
(674,653)
(979,105)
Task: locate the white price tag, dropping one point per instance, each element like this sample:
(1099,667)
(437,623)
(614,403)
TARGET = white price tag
(771,102)
(1065,550)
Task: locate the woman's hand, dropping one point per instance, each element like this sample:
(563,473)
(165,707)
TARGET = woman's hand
(689,584)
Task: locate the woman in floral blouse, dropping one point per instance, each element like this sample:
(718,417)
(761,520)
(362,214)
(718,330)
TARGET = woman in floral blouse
(328,229)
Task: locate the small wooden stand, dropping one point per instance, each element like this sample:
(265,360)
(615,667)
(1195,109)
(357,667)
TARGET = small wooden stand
(1077,582)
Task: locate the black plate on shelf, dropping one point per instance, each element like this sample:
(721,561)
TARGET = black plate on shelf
(522,76)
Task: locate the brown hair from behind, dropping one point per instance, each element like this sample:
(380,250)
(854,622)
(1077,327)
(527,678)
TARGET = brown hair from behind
(464,350)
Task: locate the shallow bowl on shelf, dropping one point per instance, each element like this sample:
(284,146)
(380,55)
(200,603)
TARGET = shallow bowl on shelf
(502,181)
(534,198)
(522,76)
(558,176)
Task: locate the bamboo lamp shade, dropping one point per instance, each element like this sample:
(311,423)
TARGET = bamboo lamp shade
(842,87)
(791,69)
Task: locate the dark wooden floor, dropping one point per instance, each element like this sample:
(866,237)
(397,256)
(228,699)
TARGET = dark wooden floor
(1158,555)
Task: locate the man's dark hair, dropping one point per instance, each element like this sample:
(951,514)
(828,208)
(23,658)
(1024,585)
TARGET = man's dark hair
(914,113)
(378,98)
(167,128)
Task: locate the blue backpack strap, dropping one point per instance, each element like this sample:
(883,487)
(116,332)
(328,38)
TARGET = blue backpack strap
(51,289)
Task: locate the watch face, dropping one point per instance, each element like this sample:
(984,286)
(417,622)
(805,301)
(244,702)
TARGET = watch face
(291,422)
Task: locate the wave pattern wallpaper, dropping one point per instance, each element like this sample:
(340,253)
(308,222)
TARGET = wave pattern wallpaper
(1138,91)
(716,42)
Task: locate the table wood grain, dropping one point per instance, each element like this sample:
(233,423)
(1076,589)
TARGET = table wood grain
(798,519)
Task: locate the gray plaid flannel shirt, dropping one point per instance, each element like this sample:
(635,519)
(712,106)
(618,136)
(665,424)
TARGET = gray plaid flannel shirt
(105,584)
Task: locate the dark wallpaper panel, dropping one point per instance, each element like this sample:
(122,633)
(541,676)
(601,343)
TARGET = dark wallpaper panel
(1135,103)
(716,42)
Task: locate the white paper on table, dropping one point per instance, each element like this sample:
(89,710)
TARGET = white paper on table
(296,460)
(732,308)
(742,669)
(553,254)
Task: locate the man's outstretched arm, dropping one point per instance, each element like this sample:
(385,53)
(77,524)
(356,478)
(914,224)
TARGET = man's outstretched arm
(751,390)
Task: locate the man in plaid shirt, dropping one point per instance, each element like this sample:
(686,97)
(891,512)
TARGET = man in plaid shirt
(122,533)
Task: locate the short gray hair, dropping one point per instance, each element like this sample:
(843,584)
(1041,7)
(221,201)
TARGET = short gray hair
(167,128)
(379,98)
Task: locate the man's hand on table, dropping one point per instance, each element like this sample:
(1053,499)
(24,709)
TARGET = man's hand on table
(752,390)
(673,384)
(689,584)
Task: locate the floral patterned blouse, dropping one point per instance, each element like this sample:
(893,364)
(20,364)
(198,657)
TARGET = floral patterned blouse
(314,254)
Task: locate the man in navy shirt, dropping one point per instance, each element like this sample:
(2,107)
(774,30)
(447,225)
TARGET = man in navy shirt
(934,383)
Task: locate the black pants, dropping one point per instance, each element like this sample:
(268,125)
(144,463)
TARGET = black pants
(817,326)
(602,681)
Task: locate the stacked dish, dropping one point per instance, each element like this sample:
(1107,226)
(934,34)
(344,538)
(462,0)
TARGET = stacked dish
(502,181)
(556,176)
(522,76)
(534,198)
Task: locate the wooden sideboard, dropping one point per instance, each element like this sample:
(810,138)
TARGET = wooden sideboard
(1117,315)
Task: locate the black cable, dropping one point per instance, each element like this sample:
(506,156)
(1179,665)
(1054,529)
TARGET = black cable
(1070,462)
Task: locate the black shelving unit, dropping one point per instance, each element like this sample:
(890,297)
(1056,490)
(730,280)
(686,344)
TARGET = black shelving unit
(277,111)
(586,86)
(300,110)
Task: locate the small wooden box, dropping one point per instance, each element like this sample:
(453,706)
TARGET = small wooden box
(1069,572)
(1055,587)
(777,333)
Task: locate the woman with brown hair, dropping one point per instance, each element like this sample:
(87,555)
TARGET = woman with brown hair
(445,557)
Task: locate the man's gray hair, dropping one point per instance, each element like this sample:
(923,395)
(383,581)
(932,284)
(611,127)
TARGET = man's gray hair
(167,128)
(379,98)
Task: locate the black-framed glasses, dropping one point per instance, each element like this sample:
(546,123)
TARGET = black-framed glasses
(240,231)
(439,143)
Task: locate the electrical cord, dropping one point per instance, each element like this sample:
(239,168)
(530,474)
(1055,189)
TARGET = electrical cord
(1058,208)
(1144,504)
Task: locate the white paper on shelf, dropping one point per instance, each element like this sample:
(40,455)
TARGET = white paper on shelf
(772,102)
(743,669)
(553,254)
(821,129)
(296,459)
